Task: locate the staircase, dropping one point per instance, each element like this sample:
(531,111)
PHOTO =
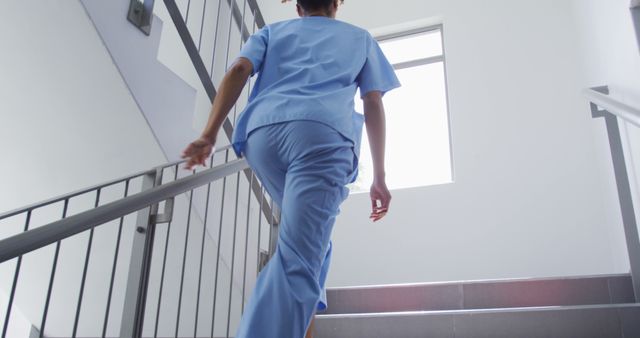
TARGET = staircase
(590,306)
(148,299)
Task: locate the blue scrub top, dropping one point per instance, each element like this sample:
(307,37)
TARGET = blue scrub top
(309,69)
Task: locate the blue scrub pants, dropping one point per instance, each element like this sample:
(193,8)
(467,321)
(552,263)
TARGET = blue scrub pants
(304,165)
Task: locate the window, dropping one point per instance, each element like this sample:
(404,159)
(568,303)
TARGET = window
(418,149)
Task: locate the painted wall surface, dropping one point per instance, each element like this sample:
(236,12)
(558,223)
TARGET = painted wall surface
(531,197)
(68,120)
(19,326)
(611,55)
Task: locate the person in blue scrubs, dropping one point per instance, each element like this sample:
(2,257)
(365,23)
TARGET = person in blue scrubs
(301,135)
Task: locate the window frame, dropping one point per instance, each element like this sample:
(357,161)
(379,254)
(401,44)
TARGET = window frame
(407,33)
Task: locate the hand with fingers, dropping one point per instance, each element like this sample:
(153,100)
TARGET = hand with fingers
(197,152)
(380,199)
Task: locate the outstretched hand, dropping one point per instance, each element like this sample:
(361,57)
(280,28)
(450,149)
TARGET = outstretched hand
(380,199)
(197,152)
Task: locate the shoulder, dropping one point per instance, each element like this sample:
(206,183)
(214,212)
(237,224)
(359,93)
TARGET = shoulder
(357,33)
(345,27)
(351,27)
(281,24)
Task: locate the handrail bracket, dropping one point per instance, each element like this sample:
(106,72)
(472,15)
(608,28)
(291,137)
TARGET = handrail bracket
(167,215)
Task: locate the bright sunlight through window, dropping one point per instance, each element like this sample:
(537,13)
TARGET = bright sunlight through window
(418,150)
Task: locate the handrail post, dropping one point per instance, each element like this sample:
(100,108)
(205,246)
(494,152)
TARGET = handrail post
(274,239)
(140,264)
(624,191)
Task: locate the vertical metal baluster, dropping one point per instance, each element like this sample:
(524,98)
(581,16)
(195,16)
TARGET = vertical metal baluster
(204,234)
(246,246)
(164,264)
(215,288)
(53,274)
(184,259)
(204,10)
(233,252)
(246,241)
(260,227)
(15,282)
(271,225)
(84,271)
(226,62)
(242,25)
(215,40)
(235,112)
(186,18)
(113,267)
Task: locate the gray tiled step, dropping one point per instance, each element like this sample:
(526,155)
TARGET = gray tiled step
(584,321)
(605,289)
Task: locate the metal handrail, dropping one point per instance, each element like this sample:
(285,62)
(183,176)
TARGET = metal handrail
(37,238)
(603,106)
(615,107)
(61,198)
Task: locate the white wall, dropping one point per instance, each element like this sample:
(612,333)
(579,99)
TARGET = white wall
(68,120)
(530,198)
(19,326)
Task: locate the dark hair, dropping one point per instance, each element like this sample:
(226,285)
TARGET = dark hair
(312,5)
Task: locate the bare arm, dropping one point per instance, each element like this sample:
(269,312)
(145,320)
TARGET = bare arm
(230,88)
(376,130)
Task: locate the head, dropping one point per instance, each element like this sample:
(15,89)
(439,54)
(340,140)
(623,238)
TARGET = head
(326,8)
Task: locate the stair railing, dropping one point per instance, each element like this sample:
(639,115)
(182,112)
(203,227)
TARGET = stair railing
(603,106)
(161,198)
(138,279)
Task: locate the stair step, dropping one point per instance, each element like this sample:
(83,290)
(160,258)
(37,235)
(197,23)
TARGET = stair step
(581,321)
(510,293)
